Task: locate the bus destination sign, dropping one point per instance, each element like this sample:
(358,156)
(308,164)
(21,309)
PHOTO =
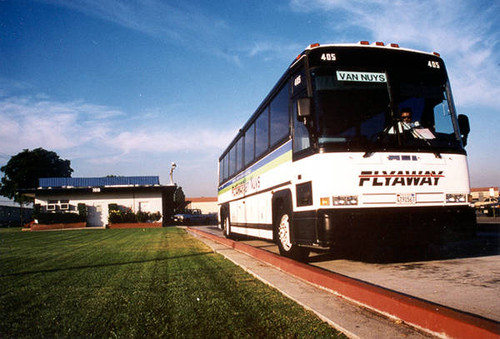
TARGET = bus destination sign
(361,76)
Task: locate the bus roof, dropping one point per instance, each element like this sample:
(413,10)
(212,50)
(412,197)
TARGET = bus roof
(366,44)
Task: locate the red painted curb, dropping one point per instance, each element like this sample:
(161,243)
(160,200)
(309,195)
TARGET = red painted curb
(417,312)
(59,226)
(136,225)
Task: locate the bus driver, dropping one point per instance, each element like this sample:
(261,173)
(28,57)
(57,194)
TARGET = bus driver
(406,118)
(405,122)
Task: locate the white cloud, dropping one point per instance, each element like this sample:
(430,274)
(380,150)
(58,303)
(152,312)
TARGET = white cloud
(27,124)
(152,17)
(274,47)
(182,23)
(95,131)
(461,31)
(165,140)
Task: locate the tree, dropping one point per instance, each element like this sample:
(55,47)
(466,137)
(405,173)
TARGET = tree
(24,169)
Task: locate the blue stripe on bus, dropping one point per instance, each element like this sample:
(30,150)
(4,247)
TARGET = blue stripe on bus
(287,147)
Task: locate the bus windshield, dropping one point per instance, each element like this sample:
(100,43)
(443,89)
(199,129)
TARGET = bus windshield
(383,109)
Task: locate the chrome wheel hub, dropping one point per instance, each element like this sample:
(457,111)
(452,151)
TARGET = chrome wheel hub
(284,232)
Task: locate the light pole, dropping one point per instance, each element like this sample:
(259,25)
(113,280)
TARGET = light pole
(172,167)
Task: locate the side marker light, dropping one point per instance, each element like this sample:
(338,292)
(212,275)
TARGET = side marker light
(325,201)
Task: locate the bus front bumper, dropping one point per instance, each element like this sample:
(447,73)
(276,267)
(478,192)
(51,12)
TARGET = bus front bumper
(333,227)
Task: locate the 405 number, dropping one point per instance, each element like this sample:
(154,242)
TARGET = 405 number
(328,57)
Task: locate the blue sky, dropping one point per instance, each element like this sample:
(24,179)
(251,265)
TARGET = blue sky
(127,87)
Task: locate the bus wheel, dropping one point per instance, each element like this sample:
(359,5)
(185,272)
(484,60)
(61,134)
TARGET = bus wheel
(285,245)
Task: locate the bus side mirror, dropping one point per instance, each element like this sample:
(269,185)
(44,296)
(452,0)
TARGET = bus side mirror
(303,108)
(463,124)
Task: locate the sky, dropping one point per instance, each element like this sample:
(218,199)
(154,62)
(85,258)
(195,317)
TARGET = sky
(127,87)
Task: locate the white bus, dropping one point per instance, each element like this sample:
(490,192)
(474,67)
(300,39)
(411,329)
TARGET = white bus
(331,156)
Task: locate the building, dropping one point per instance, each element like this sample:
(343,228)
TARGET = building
(481,193)
(63,195)
(10,213)
(207,205)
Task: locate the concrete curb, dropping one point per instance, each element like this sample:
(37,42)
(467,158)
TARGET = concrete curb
(430,317)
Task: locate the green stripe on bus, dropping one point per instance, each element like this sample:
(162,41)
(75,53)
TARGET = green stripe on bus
(261,170)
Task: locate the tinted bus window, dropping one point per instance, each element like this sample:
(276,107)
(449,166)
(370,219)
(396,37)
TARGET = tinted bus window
(262,133)
(250,144)
(221,171)
(279,116)
(239,155)
(224,167)
(301,135)
(232,161)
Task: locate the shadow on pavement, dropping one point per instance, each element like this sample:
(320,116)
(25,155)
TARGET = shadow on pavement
(483,244)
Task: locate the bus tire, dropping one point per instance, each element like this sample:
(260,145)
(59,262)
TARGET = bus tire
(282,229)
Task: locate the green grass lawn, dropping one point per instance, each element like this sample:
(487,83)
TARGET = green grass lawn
(136,283)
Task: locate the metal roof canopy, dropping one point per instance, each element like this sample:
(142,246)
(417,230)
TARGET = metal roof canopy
(99,182)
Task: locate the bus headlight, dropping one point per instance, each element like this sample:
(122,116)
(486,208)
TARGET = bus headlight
(345,200)
(456,198)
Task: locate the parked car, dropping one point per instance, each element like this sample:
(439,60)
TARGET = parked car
(194,217)
(485,202)
(489,206)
